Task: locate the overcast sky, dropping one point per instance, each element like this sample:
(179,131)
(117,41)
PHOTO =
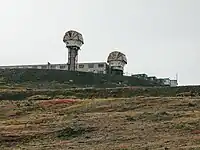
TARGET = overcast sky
(159,37)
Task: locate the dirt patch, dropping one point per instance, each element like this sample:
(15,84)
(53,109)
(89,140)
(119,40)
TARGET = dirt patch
(149,116)
(191,126)
(11,140)
(58,101)
(72,132)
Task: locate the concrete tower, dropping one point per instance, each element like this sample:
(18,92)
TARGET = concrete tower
(116,61)
(73,41)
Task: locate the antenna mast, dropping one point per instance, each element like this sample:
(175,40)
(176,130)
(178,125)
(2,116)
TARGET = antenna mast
(177,76)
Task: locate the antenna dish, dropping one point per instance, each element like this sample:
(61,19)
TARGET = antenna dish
(117,61)
(117,56)
(73,39)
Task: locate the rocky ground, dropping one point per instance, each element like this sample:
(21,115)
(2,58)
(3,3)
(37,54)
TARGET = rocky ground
(146,123)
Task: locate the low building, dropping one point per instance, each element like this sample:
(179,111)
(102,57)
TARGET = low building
(143,76)
(166,81)
(96,67)
(153,78)
(173,83)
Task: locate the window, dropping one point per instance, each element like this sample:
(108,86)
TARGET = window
(100,65)
(90,65)
(62,66)
(53,67)
(81,66)
(43,67)
(101,72)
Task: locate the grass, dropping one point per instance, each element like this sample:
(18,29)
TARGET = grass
(107,123)
(19,92)
(157,116)
(72,132)
(189,125)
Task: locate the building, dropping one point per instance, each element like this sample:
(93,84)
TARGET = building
(173,83)
(153,78)
(96,67)
(162,81)
(168,82)
(142,76)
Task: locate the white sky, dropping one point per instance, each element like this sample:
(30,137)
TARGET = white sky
(159,37)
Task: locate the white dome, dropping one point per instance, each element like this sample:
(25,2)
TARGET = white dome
(117,56)
(73,38)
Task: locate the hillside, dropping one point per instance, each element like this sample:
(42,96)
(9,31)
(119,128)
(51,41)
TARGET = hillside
(44,78)
(44,110)
(22,93)
(146,123)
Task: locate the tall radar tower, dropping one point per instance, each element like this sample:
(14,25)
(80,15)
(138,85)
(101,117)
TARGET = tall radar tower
(73,41)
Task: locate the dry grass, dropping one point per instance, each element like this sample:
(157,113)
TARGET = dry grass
(146,123)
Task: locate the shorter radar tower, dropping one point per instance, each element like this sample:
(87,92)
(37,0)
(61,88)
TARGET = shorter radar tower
(73,41)
(116,61)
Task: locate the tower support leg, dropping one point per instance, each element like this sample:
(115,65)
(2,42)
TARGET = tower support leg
(72,59)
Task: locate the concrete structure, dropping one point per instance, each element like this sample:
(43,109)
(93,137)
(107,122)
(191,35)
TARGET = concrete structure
(96,67)
(73,41)
(163,81)
(116,61)
(142,76)
(153,78)
(173,83)
(166,81)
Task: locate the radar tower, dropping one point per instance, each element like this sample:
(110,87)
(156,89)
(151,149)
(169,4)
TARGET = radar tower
(73,41)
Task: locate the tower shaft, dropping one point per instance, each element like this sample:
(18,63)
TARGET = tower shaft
(72,58)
